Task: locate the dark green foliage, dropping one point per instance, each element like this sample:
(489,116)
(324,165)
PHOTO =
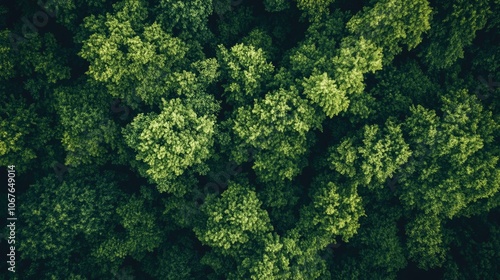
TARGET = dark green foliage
(455,24)
(66,221)
(237,139)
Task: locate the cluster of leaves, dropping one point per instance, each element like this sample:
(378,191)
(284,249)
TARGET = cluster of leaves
(358,141)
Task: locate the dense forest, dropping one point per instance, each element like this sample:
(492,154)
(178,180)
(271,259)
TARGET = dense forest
(238,139)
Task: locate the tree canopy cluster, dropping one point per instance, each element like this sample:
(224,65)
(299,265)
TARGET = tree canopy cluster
(270,139)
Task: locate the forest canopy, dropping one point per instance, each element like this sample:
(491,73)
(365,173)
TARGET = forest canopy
(237,139)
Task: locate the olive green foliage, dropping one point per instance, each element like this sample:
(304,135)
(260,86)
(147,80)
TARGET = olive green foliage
(17,123)
(246,70)
(314,9)
(391,23)
(334,212)
(235,139)
(89,131)
(170,142)
(137,55)
(142,233)
(458,22)
(277,127)
(233,220)
(189,17)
